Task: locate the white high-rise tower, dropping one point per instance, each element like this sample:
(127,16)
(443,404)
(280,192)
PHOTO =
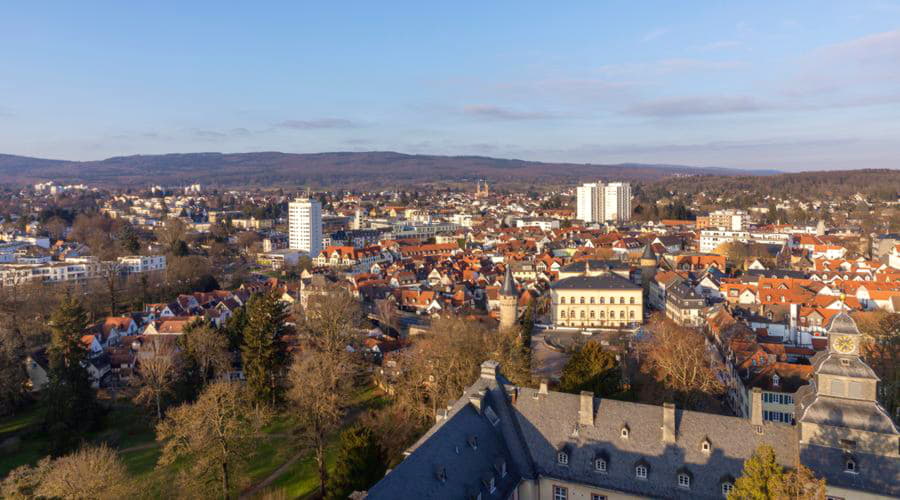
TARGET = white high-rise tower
(305,226)
(617,202)
(599,202)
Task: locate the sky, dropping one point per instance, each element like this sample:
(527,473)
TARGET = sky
(800,85)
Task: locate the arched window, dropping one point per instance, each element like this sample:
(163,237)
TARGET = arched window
(592,314)
(851,466)
(582,300)
(602,314)
(621,314)
(621,300)
(632,300)
(630,314)
(603,300)
(592,300)
(582,314)
(640,472)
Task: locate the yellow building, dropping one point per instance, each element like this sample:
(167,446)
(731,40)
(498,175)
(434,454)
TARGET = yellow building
(595,301)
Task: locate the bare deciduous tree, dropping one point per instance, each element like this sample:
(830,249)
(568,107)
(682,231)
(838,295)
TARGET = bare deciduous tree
(214,435)
(677,357)
(157,369)
(91,472)
(209,348)
(331,319)
(321,385)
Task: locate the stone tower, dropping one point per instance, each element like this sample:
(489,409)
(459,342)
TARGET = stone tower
(509,301)
(648,266)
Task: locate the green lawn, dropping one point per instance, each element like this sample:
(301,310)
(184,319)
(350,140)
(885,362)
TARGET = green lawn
(21,421)
(301,480)
(127,427)
(31,448)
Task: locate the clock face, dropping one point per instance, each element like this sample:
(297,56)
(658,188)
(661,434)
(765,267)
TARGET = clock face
(844,344)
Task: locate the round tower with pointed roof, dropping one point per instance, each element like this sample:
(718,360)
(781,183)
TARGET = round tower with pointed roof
(509,301)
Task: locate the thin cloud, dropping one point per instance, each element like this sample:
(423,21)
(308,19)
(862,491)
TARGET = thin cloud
(500,113)
(718,146)
(721,45)
(321,123)
(870,63)
(689,106)
(653,35)
(667,66)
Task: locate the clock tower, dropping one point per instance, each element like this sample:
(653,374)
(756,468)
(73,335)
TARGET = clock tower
(845,435)
(843,336)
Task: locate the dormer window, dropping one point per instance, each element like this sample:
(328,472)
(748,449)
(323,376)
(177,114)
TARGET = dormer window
(776,380)
(562,458)
(726,488)
(600,465)
(706,446)
(640,472)
(473,442)
(684,481)
(624,432)
(850,466)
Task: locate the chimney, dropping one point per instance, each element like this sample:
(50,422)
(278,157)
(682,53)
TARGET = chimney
(543,388)
(668,426)
(477,400)
(489,369)
(586,411)
(756,411)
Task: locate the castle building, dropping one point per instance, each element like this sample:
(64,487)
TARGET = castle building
(507,442)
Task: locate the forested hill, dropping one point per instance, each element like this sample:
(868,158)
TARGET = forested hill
(371,168)
(881,184)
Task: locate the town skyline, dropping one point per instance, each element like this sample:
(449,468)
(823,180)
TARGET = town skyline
(791,88)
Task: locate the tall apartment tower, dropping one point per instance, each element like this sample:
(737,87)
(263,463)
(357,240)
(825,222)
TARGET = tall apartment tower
(617,202)
(305,226)
(599,202)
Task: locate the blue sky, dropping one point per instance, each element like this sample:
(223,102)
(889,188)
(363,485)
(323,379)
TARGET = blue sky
(802,85)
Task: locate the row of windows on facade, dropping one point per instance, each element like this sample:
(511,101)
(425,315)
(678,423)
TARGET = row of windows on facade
(641,470)
(771,397)
(612,314)
(590,300)
(684,481)
(778,416)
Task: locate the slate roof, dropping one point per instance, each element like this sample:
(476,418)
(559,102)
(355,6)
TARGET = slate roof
(548,423)
(605,281)
(878,474)
(533,427)
(509,285)
(447,447)
(594,265)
